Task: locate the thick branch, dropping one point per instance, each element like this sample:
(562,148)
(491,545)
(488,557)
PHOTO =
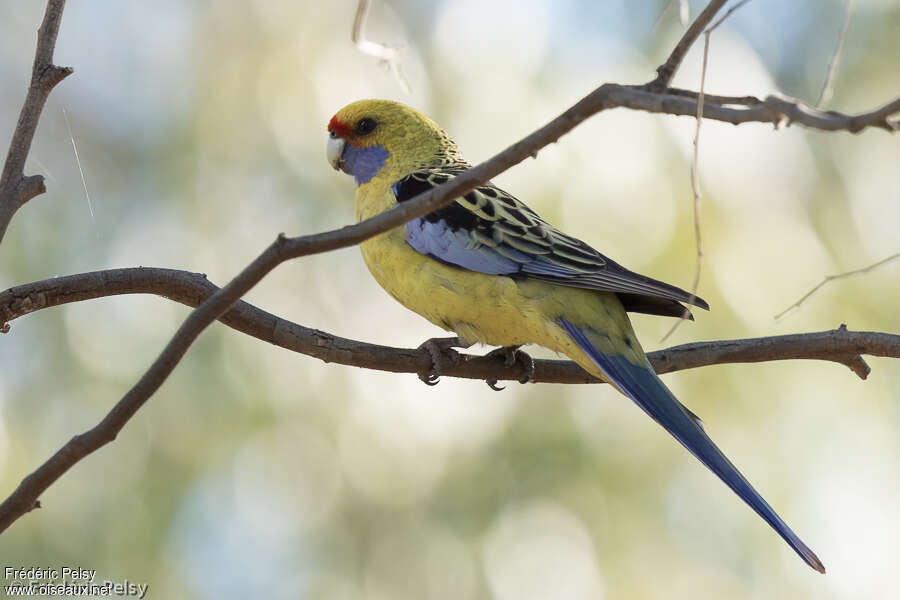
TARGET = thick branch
(15,188)
(714,99)
(841,346)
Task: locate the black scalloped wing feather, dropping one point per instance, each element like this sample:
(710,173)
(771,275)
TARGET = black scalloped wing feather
(496,220)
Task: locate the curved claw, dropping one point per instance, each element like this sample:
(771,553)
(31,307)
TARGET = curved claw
(431,379)
(528,363)
(438,350)
(492,383)
(512,355)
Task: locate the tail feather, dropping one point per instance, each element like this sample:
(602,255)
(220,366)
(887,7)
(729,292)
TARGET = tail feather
(643,386)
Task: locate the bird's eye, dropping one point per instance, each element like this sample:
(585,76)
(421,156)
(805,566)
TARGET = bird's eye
(365,126)
(332,134)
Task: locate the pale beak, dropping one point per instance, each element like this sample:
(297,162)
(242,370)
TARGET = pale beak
(334,150)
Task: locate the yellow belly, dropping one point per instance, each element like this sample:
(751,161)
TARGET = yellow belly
(479,308)
(488,309)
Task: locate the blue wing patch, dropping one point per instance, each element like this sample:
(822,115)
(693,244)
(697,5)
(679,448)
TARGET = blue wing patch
(455,247)
(489,231)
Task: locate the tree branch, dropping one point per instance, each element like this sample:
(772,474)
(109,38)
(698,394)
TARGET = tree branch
(778,110)
(191,289)
(695,171)
(835,62)
(774,109)
(15,188)
(666,71)
(829,278)
(385,53)
(714,99)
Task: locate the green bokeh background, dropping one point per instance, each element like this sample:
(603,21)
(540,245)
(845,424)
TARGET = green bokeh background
(255,472)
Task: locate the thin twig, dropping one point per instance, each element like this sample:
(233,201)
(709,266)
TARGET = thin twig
(15,188)
(695,171)
(662,15)
(831,278)
(727,14)
(835,61)
(695,190)
(666,71)
(191,289)
(386,54)
(80,169)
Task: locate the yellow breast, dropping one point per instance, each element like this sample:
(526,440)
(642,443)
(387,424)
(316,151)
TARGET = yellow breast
(477,307)
(489,309)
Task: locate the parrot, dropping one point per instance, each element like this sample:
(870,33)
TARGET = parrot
(489,269)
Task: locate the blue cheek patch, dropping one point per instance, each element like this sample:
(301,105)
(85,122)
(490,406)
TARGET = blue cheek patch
(364,163)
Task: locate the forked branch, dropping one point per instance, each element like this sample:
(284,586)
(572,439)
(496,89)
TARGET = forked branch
(15,188)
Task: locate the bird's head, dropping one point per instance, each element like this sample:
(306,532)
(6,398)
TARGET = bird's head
(381,138)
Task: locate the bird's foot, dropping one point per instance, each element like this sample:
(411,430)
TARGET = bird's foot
(441,352)
(512,355)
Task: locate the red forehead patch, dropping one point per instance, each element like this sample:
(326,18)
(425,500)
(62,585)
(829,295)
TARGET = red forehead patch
(338,127)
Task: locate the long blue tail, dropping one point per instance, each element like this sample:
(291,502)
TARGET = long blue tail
(641,384)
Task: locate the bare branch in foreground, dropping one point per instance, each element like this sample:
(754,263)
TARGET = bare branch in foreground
(841,346)
(830,278)
(15,188)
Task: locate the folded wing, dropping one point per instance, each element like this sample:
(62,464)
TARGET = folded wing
(490,231)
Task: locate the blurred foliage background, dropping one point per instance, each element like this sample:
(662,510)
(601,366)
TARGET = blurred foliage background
(256,472)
